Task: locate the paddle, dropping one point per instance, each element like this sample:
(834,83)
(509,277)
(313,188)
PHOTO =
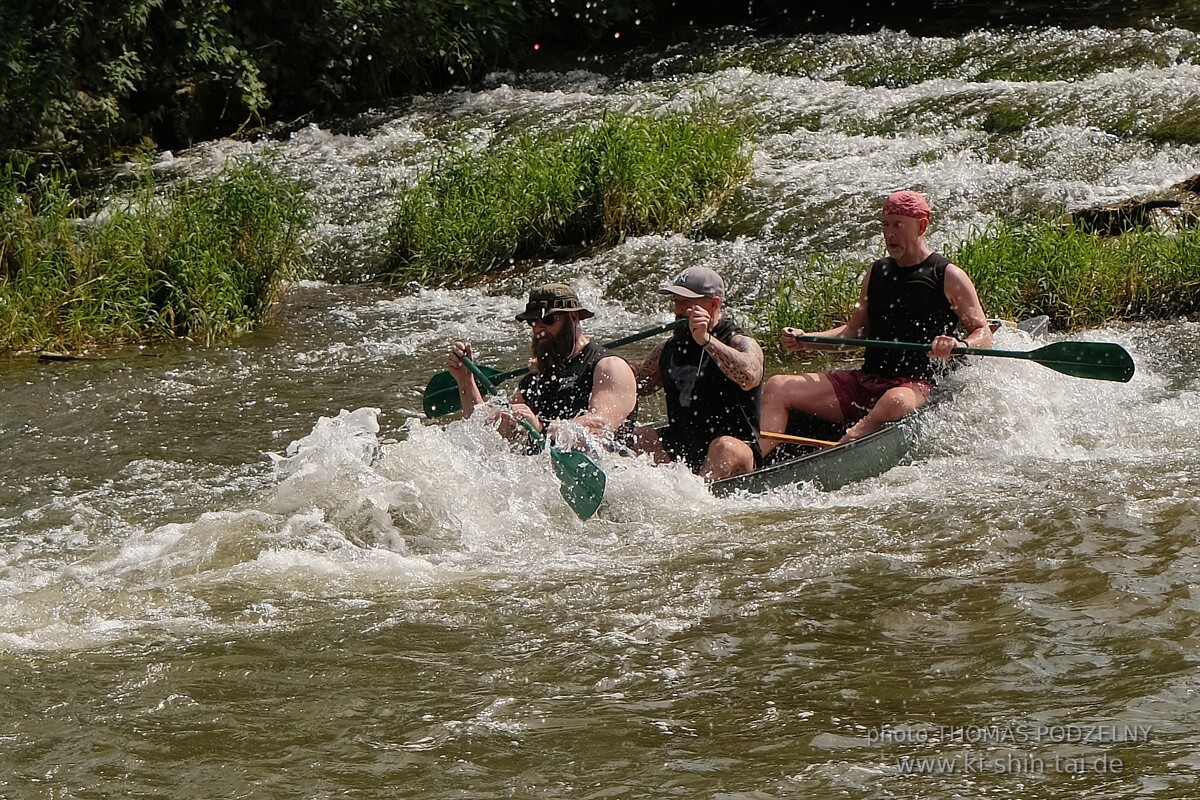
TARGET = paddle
(1100,360)
(582,481)
(441,393)
(787,437)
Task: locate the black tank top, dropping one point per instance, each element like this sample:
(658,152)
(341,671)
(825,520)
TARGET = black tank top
(702,402)
(567,395)
(907,304)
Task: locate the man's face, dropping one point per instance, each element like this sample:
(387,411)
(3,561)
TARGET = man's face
(553,340)
(902,235)
(684,304)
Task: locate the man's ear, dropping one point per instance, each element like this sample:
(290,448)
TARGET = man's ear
(922,226)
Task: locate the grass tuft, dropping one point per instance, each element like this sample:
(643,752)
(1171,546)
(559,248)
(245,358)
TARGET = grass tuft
(547,196)
(201,260)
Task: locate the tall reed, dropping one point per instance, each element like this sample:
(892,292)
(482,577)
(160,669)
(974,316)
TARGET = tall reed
(200,259)
(551,195)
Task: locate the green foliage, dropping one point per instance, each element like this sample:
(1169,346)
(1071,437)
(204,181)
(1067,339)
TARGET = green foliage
(201,260)
(1080,280)
(1023,269)
(318,55)
(551,195)
(818,296)
(82,78)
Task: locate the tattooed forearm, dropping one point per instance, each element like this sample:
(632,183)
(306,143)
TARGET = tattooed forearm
(647,373)
(741,360)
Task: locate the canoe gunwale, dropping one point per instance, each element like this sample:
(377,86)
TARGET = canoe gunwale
(832,468)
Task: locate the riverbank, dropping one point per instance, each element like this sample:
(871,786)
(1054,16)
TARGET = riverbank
(196,260)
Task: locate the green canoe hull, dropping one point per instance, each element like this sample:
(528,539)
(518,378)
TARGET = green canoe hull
(835,467)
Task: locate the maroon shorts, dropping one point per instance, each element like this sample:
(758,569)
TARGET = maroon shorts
(857,392)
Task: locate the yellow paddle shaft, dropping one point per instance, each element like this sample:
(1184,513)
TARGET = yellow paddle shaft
(787,437)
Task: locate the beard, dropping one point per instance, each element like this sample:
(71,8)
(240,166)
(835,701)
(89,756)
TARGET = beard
(554,351)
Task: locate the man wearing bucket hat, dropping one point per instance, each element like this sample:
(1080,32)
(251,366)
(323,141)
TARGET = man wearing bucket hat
(913,295)
(710,373)
(572,378)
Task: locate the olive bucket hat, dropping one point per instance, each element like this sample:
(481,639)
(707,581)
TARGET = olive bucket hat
(552,297)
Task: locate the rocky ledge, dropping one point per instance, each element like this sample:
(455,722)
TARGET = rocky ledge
(1168,209)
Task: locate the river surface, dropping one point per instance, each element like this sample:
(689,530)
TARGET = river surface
(254,570)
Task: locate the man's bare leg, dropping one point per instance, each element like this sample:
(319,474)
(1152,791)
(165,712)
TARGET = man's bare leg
(895,404)
(727,456)
(811,393)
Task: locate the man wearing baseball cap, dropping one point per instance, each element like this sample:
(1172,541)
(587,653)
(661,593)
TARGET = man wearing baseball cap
(913,295)
(572,377)
(711,373)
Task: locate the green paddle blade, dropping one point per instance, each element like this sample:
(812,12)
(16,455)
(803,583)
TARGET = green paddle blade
(582,481)
(1103,361)
(441,394)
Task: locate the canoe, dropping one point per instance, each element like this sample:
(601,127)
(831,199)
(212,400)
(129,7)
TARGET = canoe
(830,468)
(834,467)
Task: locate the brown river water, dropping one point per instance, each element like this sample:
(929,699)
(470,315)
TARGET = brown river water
(255,571)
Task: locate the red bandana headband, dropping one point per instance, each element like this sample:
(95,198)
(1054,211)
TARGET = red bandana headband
(906,204)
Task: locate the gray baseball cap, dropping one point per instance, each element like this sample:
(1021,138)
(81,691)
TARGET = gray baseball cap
(695,282)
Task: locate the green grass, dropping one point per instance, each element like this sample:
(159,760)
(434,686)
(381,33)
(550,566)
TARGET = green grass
(815,297)
(200,260)
(1078,279)
(555,195)
(1022,269)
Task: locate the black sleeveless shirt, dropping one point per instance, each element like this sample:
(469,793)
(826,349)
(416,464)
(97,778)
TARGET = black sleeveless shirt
(702,401)
(567,395)
(907,304)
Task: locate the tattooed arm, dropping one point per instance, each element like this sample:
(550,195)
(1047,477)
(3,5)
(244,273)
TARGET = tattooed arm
(647,373)
(741,360)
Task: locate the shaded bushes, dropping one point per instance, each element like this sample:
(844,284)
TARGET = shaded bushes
(80,79)
(200,260)
(550,195)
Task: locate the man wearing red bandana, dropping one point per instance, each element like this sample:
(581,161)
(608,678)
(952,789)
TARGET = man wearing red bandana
(913,295)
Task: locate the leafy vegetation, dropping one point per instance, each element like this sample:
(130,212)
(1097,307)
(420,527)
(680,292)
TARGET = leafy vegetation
(1080,280)
(79,81)
(199,260)
(538,197)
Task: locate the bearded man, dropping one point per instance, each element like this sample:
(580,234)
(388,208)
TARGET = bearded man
(572,378)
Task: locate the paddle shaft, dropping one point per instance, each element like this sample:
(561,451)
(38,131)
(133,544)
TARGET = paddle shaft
(624,340)
(1100,360)
(787,437)
(970,351)
(490,388)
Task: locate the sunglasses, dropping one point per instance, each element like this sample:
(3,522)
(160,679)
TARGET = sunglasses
(550,320)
